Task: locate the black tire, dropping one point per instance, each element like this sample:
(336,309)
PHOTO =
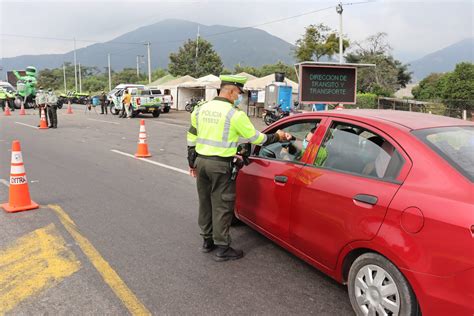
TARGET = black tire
(189,108)
(166,110)
(134,113)
(379,270)
(156,113)
(113,110)
(267,119)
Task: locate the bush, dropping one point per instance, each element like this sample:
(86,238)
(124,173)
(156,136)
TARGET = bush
(366,101)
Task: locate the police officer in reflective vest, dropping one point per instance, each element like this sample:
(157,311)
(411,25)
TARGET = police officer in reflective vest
(216,127)
(52,105)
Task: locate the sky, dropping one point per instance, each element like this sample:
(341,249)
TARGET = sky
(414,28)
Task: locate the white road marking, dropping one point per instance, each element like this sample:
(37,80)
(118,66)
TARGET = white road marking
(5,182)
(151,161)
(35,127)
(170,124)
(104,121)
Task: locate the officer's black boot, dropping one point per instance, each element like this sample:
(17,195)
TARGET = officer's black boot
(225,253)
(208,245)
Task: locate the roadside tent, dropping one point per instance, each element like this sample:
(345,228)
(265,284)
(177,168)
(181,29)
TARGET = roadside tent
(161,81)
(257,87)
(247,75)
(172,86)
(204,88)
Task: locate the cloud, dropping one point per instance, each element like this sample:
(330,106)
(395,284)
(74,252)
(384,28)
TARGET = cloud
(414,28)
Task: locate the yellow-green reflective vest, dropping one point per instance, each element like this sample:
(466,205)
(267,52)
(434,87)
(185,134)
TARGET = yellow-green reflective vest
(217,127)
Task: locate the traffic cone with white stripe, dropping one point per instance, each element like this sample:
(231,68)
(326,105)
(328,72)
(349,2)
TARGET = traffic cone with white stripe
(69,107)
(19,195)
(22,109)
(43,124)
(142,150)
(7,109)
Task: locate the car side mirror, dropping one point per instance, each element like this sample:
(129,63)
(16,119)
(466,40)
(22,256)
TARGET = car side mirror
(244,151)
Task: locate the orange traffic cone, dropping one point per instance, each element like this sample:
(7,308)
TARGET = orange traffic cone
(7,109)
(43,124)
(19,195)
(22,109)
(142,150)
(69,107)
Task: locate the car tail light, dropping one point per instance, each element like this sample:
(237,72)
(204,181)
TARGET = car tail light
(472,230)
(138,101)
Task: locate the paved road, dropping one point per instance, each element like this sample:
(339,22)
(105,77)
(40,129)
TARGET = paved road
(140,218)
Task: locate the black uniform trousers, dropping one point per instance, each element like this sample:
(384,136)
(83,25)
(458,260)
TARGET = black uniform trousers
(53,115)
(216,193)
(103,107)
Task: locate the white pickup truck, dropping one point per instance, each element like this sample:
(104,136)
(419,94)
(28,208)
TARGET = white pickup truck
(144,100)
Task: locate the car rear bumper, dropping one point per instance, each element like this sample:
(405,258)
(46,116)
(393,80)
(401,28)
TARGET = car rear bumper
(453,295)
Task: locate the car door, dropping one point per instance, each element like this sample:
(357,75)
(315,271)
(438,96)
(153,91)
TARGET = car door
(343,193)
(264,186)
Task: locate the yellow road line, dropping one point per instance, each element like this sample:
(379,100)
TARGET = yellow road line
(35,262)
(106,271)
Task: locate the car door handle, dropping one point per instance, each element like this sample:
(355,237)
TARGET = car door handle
(281,179)
(365,198)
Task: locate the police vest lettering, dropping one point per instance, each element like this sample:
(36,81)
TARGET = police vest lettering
(211,117)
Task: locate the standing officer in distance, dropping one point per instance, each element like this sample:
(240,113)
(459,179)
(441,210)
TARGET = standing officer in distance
(52,103)
(103,103)
(216,127)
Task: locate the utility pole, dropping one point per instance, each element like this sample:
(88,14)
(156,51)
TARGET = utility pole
(339,10)
(149,61)
(110,74)
(64,75)
(80,79)
(139,61)
(75,65)
(197,49)
(138,66)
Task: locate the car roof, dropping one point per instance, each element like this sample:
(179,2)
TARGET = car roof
(406,119)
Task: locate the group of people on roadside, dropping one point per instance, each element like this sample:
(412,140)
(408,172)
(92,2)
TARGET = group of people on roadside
(48,102)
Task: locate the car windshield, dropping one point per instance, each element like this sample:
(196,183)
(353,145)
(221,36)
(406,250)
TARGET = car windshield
(454,144)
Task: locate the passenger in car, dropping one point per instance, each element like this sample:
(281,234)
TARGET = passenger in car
(378,166)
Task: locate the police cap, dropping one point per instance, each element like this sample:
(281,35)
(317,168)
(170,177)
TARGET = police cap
(238,81)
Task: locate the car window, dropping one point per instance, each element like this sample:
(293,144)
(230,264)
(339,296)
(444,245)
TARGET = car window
(453,144)
(354,149)
(293,150)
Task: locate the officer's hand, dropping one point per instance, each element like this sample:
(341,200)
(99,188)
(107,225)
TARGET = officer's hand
(281,135)
(192,172)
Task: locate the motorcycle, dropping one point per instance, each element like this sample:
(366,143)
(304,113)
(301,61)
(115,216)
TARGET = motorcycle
(191,104)
(270,116)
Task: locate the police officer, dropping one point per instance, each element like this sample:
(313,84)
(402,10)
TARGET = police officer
(40,100)
(52,103)
(216,127)
(103,103)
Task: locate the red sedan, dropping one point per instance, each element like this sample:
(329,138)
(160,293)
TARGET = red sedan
(381,200)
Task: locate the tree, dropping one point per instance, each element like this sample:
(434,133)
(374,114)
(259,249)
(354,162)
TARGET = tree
(184,62)
(459,84)
(268,69)
(388,75)
(318,41)
(430,88)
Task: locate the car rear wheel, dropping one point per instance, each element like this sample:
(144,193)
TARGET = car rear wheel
(377,287)
(156,113)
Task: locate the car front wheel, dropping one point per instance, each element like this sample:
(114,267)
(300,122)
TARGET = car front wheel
(377,287)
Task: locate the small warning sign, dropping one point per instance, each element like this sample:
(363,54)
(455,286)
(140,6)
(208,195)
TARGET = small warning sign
(18,180)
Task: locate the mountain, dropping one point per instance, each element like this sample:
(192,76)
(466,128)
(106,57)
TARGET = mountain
(444,59)
(247,46)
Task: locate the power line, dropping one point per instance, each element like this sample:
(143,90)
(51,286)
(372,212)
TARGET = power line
(69,39)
